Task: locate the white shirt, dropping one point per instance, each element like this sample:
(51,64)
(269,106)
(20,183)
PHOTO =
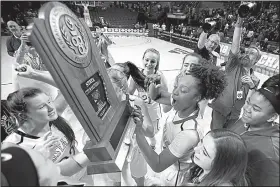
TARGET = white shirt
(174,137)
(62,151)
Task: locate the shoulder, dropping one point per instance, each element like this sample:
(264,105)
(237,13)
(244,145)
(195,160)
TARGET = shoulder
(12,138)
(9,39)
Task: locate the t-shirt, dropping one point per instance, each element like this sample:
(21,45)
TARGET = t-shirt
(227,102)
(8,122)
(32,58)
(175,134)
(62,151)
(206,55)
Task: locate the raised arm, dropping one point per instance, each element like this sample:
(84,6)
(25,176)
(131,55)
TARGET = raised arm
(19,54)
(202,39)
(27,71)
(237,36)
(159,94)
(43,76)
(131,87)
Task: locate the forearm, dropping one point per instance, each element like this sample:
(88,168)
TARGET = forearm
(19,54)
(43,76)
(60,103)
(151,157)
(164,98)
(237,36)
(202,39)
(73,165)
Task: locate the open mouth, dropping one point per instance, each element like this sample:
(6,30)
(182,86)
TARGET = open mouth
(52,113)
(245,115)
(173,101)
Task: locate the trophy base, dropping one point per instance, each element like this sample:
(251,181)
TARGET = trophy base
(105,155)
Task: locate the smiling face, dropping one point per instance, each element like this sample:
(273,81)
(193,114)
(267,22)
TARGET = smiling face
(257,110)
(205,153)
(185,93)
(13,27)
(41,109)
(150,61)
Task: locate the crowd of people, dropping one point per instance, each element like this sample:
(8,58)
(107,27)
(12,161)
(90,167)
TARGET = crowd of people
(264,37)
(241,148)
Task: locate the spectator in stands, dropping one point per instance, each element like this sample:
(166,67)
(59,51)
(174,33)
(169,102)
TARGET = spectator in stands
(227,107)
(258,45)
(206,46)
(226,29)
(163,26)
(261,135)
(264,44)
(276,50)
(249,37)
(137,25)
(13,42)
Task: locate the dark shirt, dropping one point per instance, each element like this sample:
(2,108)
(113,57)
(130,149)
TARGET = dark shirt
(264,45)
(218,49)
(12,44)
(206,55)
(263,154)
(8,123)
(227,103)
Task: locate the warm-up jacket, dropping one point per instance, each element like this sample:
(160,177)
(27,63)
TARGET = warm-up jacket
(263,152)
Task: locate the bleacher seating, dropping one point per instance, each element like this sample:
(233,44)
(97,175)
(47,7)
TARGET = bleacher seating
(117,17)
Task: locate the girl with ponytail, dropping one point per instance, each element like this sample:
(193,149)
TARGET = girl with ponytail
(150,60)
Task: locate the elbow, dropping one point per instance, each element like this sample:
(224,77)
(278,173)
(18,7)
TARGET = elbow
(156,168)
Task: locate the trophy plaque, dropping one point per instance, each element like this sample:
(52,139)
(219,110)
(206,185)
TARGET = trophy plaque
(66,46)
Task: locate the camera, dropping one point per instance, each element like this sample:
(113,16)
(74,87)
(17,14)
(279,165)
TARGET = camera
(211,24)
(246,9)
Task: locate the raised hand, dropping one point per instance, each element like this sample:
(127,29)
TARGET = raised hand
(48,145)
(137,116)
(248,80)
(25,70)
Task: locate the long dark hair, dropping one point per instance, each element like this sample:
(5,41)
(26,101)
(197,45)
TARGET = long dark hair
(132,70)
(16,103)
(229,164)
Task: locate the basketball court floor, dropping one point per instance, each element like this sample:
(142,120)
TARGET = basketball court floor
(125,49)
